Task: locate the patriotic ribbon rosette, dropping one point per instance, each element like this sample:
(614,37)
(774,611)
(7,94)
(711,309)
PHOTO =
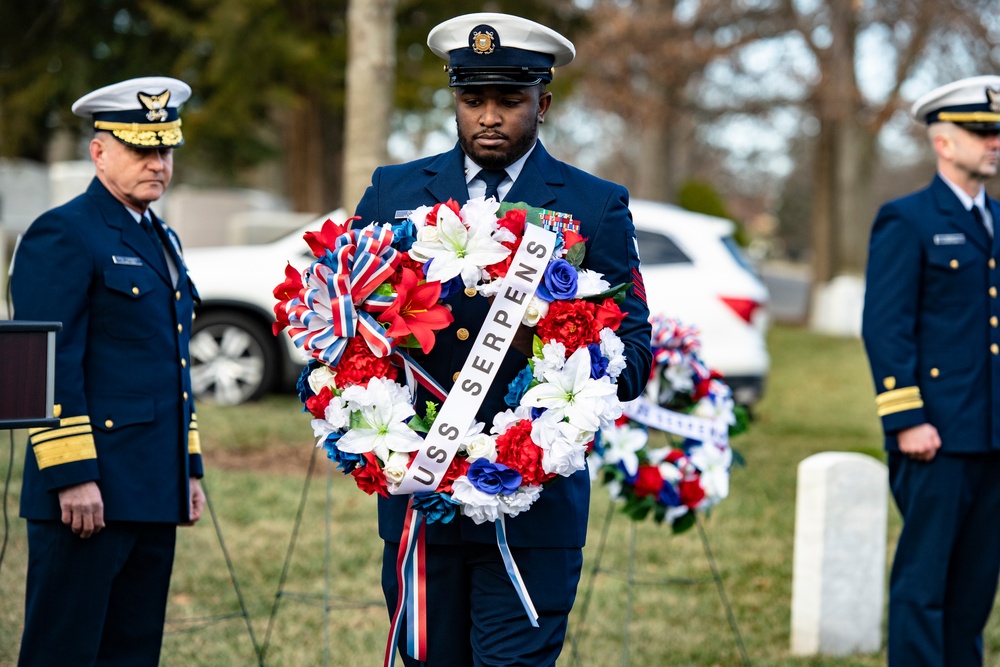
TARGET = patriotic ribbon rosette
(694,406)
(375,291)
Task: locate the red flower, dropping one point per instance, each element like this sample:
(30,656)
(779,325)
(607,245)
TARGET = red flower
(608,314)
(571,238)
(285,292)
(317,404)
(416,311)
(369,478)
(514,221)
(358,365)
(459,466)
(516,449)
(431,219)
(571,323)
(648,481)
(691,492)
(326,238)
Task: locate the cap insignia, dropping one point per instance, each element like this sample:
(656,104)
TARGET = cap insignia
(482,42)
(994,98)
(156,105)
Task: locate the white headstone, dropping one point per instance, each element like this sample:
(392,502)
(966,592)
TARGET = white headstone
(838,573)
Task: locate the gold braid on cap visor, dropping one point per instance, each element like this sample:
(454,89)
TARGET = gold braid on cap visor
(969,117)
(144,134)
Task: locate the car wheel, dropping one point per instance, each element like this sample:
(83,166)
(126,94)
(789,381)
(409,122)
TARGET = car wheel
(233,359)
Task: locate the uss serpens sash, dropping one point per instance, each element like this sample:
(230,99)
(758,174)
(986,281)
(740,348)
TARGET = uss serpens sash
(454,418)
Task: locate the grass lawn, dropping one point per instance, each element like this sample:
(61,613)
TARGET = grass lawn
(819,398)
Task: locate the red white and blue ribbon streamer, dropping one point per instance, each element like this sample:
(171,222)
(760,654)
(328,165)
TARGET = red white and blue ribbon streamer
(415,374)
(514,573)
(411,578)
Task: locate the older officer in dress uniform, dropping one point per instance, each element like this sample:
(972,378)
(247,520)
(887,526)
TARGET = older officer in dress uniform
(104,491)
(933,340)
(499,66)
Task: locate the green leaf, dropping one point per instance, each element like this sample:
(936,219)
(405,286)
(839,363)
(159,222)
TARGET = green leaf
(617,293)
(684,523)
(576,254)
(536,346)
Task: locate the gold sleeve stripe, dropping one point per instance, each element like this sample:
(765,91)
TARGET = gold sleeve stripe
(45,435)
(63,423)
(72,440)
(194,438)
(898,400)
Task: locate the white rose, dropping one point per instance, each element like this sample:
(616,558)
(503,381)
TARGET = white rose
(321,377)
(395,467)
(428,234)
(537,309)
(482,447)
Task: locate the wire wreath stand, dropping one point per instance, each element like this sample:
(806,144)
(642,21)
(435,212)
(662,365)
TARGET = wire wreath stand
(579,634)
(325,601)
(193,624)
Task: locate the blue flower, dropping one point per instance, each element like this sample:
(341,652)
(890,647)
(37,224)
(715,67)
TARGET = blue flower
(302,384)
(493,478)
(536,413)
(517,387)
(598,362)
(404,235)
(346,462)
(438,507)
(558,282)
(668,496)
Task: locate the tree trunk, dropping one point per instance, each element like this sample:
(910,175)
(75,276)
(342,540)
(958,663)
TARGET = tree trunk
(370,85)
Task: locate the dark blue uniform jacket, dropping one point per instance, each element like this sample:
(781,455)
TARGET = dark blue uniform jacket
(559,517)
(123,382)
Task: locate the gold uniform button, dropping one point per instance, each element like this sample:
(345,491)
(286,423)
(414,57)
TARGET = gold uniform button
(953,263)
(462,334)
(994,322)
(471,291)
(994,348)
(177,295)
(993,263)
(184,363)
(185,395)
(180,328)
(454,378)
(135,290)
(993,292)
(935,372)
(109,424)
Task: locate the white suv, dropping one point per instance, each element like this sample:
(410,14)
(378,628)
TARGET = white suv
(692,267)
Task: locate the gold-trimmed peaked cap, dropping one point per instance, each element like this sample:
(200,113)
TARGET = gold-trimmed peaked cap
(489,48)
(972,103)
(141,112)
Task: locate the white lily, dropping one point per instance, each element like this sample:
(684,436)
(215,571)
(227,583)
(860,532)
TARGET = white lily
(572,393)
(384,408)
(714,462)
(622,444)
(458,250)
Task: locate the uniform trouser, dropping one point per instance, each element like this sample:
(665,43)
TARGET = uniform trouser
(98,601)
(475,617)
(944,574)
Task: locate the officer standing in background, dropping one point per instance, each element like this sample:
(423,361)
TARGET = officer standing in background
(498,66)
(931,327)
(104,491)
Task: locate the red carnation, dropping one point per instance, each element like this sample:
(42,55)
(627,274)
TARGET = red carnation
(358,365)
(316,404)
(459,466)
(516,449)
(691,492)
(369,477)
(648,481)
(571,323)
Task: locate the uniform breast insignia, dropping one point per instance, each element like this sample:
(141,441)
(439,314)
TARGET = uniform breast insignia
(126,261)
(949,239)
(403,214)
(554,221)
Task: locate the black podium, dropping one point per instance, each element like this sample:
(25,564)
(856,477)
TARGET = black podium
(27,373)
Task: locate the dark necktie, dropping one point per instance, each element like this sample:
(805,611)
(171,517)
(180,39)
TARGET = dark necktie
(492,178)
(158,250)
(977,213)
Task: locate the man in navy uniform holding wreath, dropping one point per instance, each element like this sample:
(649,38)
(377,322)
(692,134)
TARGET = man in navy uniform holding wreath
(105,490)
(499,66)
(931,327)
